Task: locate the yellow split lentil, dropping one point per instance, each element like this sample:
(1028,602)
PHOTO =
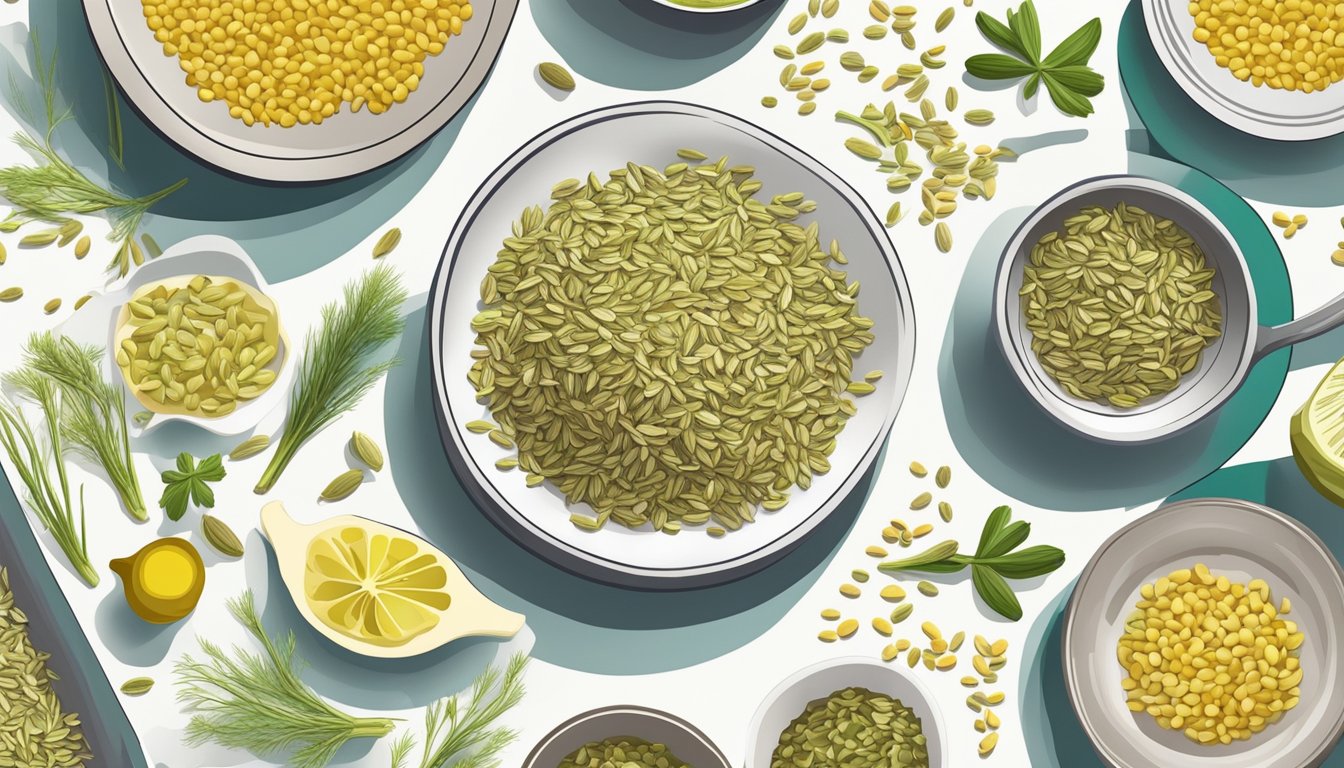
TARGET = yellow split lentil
(297,62)
(1209,657)
(1286,44)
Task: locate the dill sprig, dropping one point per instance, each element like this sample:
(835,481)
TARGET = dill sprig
(466,734)
(54,188)
(50,501)
(258,703)
(93,418)
(335,374)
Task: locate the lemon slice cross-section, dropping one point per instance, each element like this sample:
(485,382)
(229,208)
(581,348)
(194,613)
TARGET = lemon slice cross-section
(1317,432)
(375,587)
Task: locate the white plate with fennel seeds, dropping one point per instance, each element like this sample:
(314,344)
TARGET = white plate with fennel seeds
(343,145)
(791,698)
(1261,111)
(1239,540)
(683,740)
(651,133)
(1223,365)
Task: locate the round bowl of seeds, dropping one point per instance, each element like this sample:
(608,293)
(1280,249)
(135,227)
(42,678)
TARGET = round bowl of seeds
(844,701)
(292,96)
(193,336)
(653,363)
(1127,311)
(1208,633)
(627,736)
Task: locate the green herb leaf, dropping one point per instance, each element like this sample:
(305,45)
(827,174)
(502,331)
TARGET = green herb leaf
(1079,79)
(1027,563)
(994,525)
(1026,25)
(1033,84)
(189,483)
(1000,34)
(464,733)
(997,66)
(1077,48)
(1068,101)
(1006,540)
(995,592)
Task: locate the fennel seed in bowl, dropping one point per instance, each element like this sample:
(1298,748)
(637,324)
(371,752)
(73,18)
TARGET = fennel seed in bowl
(667,348)
(1120,305)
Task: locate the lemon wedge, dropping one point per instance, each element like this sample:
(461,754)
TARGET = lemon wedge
(1317,432)
(378,590)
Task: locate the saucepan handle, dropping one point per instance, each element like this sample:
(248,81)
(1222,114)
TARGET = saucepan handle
(1316,322)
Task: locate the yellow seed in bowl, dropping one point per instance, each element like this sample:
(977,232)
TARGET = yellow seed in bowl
(271,65)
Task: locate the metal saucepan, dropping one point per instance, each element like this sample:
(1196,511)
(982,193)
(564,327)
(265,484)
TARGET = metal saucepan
(1225,363)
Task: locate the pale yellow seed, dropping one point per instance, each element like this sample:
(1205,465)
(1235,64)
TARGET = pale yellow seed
(921,501)
(882,626)
(830,614)
(847,627)
(931,630)
(918,469)
(944,663)
(892,593)
(850,591)
(827,636)
(875,551)
(991,719)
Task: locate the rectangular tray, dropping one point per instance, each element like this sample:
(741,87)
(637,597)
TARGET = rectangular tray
(82,687)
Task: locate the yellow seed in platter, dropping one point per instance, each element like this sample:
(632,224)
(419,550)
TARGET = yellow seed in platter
(992,720)
(827,636)
(943,476)
(982,646)
(1281,219)
(922,530)
(1289,231)
(931,630)
(921,501)
(918,469)
(980,726)
(1300,220)
(812,67)
(555,76)
(955,644)
(52,306)
(913,657)
(830,614)
(999,648)
(969,682)
(945,663)
(892,593)
(891,534)
(938,646)
(875,551)
(981,666)
(890,652)
(850,591)
(847,627)
(882,626)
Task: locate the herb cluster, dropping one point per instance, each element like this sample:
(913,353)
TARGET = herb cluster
(993,563)
(1068,79)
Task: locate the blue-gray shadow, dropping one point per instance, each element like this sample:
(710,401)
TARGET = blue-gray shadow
(1288,172)
(581,624)
(1328,348)
(130,638)
(1010,441)
(288,229)
(52,628)
(641,45)
(1055,738)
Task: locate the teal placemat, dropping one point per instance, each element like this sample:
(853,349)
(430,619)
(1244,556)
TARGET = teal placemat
(1291,173)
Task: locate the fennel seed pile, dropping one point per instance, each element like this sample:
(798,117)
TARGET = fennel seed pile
(1120,305)
(854,728)
(623,752)
(34,730)
(667,348)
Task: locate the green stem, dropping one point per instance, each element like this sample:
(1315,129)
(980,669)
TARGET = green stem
(284,454)
(881,134)
(371,727)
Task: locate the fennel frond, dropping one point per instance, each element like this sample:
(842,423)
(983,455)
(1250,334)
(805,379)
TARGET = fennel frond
(466,734)
(93,418)
(258,703)
(335,374)
(49,500)
(53,189)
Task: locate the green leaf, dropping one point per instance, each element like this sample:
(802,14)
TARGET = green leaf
(1006,540)
(1076,48)
(997,66)
(1079,79)
(1026,25)
(999,34)
(174,499)
(1027,563)
(190,483)
(1068,101)
(1033,84)
(933,556)
(995,592)
(994,525)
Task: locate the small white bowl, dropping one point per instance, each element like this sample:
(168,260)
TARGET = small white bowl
(682,739)
(791,697)
(96,324)
(1242,541)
